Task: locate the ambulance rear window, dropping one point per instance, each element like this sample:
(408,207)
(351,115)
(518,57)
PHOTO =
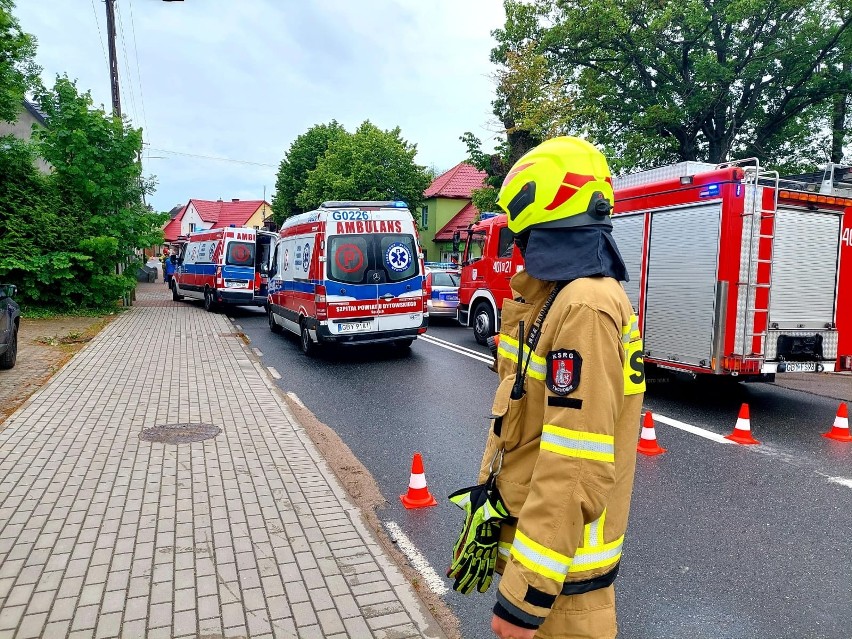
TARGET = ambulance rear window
(371,258)
(240,254)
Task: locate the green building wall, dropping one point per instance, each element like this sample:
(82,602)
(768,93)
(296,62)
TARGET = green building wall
(440,210)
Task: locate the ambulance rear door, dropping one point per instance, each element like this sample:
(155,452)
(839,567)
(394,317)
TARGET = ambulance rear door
(401,293)
(238,259)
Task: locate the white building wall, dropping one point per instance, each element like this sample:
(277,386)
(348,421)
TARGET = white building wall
(191,217)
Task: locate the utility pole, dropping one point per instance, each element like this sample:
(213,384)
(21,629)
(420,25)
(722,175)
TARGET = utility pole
(113,58)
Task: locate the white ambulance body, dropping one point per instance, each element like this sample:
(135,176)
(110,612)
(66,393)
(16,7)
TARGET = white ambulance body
(348,273)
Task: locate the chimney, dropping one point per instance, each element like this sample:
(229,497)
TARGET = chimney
(235,199)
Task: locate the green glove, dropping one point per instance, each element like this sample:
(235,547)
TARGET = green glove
(475,552)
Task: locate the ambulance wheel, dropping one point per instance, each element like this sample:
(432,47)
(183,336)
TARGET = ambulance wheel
(209,302)
(483,323)
(275,328)
(175,296)
(305,341)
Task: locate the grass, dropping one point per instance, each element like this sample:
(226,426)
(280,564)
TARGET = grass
(41,312)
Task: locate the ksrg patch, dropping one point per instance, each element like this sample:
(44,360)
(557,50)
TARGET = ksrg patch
(563,371)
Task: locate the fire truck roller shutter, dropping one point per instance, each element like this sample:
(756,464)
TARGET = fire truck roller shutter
(804,277)
(681,289)
(804,269)
(628,231)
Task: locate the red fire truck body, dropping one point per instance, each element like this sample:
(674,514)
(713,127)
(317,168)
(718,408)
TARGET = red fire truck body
(732,270)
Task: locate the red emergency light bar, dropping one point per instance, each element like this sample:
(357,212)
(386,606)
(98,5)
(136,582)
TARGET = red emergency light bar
(813,198)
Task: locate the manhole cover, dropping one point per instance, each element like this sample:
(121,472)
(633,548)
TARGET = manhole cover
(179,433)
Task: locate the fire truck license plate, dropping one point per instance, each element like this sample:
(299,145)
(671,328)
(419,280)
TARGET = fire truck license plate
(354,327)
(801,367)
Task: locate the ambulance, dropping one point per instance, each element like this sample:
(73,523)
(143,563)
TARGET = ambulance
(224,266)
(348,273)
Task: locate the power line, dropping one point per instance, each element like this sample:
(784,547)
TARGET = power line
(138,72)
(127,67)
(211,157)
(100,35)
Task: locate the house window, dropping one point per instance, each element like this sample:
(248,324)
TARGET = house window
(192,227)
(424,217)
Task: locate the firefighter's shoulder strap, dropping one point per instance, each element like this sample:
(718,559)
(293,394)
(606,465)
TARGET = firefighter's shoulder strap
(532,341)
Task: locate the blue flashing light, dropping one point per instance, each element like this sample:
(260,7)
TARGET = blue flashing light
(487,215)
(399,204)
(233,226)
(711,190)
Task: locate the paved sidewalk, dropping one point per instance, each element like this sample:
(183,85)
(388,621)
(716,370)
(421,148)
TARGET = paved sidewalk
(244,534)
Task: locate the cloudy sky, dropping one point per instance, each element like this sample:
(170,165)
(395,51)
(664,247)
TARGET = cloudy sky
(240,79)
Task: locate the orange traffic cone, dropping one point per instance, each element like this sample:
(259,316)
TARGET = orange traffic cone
(840,430)
(418,495)
(742,431)
(648,439)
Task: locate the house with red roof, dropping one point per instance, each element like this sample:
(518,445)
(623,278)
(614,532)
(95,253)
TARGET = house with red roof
(448,208)
(200,215)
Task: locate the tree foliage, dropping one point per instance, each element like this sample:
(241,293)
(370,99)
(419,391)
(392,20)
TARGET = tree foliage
(18,72)
(301,157)
(667,81)
(369,164)
(66,232)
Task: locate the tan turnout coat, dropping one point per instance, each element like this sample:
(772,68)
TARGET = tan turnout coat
(569,443)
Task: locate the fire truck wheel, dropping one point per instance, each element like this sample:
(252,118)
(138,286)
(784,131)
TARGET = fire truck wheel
(209,302)
(275,328)
(305,341)
(175,295)
(483,323)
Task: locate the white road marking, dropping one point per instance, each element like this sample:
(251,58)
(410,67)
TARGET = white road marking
(467,352)
(417,560)
(296,399)
(689,428)
(273,372)
(843,481)
(257,352)
(767,450)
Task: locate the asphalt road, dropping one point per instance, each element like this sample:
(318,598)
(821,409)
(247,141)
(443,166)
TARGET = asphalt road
(724,541)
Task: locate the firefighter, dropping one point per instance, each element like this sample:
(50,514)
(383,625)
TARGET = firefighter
(556,478)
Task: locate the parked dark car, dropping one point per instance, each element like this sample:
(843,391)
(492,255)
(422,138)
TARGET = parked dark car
(10,319)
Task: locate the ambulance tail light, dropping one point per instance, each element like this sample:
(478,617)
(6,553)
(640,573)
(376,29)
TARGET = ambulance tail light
(220,283)
(319,299)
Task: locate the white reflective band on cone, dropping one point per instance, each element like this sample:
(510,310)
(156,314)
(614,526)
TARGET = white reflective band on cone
(647,433)
(841,422)
(417,481)
(743,424)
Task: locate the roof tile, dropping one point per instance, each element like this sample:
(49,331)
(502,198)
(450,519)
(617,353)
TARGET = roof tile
(459,222)
(458,182)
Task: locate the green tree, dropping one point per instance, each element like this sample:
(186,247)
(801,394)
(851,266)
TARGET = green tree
(301,157)
(369,164)
(693,80)
(66,233)
(18,72)
(96,169)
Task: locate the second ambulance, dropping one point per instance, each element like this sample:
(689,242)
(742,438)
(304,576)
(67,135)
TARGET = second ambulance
(348,273)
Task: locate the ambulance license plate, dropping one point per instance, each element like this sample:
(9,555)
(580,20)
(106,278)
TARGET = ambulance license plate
(236,284)
(801,367)
(353,327)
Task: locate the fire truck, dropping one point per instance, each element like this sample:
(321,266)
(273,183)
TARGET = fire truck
(733,270)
